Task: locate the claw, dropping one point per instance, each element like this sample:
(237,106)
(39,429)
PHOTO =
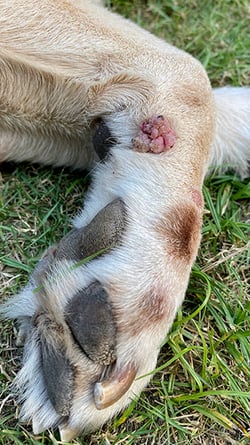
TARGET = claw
(67,433)
(109,391)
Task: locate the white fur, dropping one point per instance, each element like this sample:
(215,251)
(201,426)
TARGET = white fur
(231,146)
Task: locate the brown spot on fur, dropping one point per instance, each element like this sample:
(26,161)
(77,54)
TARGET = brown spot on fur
(149,310)
(180,228)
(152,307)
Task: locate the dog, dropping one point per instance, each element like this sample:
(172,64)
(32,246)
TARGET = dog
(82,87)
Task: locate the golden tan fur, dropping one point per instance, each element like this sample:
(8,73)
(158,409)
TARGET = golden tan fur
(76,85)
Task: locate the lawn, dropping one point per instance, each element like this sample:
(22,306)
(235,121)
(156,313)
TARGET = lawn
(200,393)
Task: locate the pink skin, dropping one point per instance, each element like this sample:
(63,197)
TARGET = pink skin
(155,136)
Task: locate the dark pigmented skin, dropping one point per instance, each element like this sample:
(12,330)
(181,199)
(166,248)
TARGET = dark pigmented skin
(102,234)
(89,316)
(102,139)
(57,371)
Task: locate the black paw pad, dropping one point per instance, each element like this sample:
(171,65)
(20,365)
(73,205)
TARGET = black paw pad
(102,139)
(103,233)
(89,316)
(57,370)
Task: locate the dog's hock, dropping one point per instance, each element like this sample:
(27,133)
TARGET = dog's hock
(155,136)
(89,316)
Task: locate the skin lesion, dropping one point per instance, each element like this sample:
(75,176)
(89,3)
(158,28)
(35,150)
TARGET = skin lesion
(155,136)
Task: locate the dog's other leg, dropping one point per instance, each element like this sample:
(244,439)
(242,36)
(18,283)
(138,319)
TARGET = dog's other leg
(41,115)
(231,147)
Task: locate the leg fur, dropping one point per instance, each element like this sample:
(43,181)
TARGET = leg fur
(104,81)
(231,146)
(53,89)
(41,117)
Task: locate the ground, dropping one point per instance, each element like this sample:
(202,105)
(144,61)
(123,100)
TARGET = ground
(200,391)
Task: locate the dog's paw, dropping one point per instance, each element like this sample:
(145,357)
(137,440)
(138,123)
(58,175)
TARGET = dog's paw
(80,363)
(103,233)
(96,326)
(68,329)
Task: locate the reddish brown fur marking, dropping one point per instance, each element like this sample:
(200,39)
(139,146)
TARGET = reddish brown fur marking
(180,228)
(150,310)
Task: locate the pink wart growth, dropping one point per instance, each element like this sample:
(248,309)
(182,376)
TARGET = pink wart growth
(155,136)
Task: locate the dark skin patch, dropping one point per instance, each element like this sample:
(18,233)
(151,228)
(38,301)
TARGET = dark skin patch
(57,369)
(180,228)
(151,310)
(102,139)
(89,316)
(103,233)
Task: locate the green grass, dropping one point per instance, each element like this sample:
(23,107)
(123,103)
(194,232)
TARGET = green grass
(200,393)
